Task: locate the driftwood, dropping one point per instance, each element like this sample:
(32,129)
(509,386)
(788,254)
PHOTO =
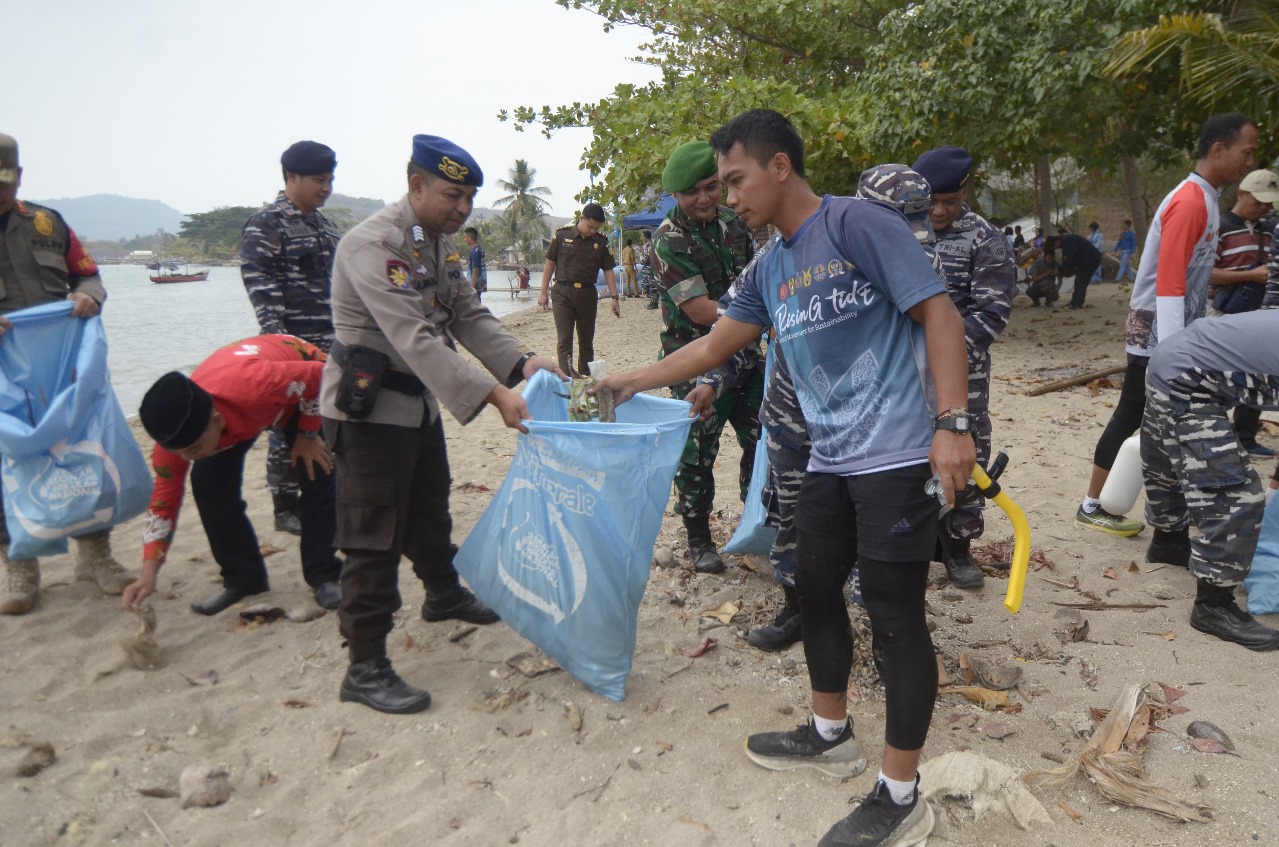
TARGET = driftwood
(1082,379)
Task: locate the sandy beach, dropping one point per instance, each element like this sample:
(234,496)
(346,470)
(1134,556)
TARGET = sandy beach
(501,758)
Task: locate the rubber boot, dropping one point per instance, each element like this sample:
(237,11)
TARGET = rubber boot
(701,547)
(783,631)
(21,585)
(95,562)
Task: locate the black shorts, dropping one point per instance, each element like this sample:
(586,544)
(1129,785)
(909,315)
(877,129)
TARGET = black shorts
(887,514)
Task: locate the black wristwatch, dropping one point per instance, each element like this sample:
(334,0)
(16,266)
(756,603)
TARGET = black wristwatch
(954,420)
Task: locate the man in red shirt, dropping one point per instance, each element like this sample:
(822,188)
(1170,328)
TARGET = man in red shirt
(206,423)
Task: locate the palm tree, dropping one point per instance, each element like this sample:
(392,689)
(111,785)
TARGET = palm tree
(523,194)
(1228,58)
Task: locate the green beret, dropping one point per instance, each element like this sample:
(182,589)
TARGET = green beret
(691,163)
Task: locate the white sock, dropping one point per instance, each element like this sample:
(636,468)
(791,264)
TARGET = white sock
(901,792)
(1090,505)
(829,730)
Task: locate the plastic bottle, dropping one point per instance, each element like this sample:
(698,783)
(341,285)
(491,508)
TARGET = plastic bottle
(1125,483)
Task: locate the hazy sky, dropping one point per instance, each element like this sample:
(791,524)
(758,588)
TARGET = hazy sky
(193,103)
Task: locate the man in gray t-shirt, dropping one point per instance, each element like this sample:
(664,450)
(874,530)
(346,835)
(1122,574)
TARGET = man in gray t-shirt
(1197,472)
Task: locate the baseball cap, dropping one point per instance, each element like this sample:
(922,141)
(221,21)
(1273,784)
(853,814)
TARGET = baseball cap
(1262,184)
(8,158)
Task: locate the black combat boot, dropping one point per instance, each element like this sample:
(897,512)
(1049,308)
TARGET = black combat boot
(288,515)
(458,604)
(375,683)
(1216,613)
(783,631)
(959,566)
(701,547)
(1170,547)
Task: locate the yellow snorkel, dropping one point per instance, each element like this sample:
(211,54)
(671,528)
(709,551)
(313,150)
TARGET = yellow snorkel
(985,484)
(1021,537)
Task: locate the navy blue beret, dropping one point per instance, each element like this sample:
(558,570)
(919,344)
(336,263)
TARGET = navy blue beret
(946,168)
(309,157)
(446,160)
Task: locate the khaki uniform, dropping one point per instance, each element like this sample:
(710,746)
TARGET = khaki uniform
(406,296)
(574,302)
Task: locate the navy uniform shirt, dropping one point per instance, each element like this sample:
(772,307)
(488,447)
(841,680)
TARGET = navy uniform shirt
(977,265)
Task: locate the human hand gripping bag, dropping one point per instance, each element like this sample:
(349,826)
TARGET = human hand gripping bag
(563,551)
(70,463)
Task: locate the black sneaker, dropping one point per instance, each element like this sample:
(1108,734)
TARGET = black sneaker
(963,573)
(374,683)
(1230,623)
(879,822)
(804,747)
(457,604)
(778,635)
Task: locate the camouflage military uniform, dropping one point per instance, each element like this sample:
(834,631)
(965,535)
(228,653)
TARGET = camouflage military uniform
(977,265)
(1196,471)
(288,260)
(692,260)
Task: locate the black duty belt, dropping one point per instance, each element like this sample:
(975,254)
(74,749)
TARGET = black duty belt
(392,380)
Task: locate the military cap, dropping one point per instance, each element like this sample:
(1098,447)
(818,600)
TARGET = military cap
(175,411)
(594,211)
(446,160)
(902,188)
(946,168)
(1262,184)
(309,157)
(691,163)
(8,158)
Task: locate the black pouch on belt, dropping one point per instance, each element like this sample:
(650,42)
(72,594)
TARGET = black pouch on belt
(363,370)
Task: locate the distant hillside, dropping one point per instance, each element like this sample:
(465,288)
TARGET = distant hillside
(108,217)
(359,207)
(480,213)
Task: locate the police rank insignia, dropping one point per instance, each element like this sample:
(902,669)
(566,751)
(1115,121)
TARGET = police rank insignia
(453,170)
(397,273)
(43,225)
(419,235)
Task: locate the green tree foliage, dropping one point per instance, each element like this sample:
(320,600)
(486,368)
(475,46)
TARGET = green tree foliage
(522,223)
(524,197)
(216,234)
(1227,57)
(801,57)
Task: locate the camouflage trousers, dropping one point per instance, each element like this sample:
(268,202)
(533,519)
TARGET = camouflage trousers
(695,478)
(787,460)
(281,476)
(1197,473)
(967,523)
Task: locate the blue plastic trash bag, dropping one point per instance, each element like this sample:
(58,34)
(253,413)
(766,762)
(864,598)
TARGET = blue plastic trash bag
(71,466)
(1263,580)
(752,535)
(563,551)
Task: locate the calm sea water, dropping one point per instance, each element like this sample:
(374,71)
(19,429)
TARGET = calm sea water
(153,329)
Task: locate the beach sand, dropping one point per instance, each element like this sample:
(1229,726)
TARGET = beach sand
(666,766)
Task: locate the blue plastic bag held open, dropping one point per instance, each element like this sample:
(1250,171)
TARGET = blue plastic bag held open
(752,535)
(1262,581)
(71,466)
(562,553)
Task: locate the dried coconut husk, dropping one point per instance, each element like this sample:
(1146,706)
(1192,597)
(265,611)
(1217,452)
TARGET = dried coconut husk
(1112,761)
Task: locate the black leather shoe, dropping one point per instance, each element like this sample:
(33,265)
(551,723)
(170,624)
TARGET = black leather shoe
(1230,623)
(375,683)
(288,522)
(778,635)
(328,595)
(223,600)
(457,604)
(963,573)
(706,559)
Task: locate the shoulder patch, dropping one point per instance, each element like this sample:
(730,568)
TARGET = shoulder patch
(397,273)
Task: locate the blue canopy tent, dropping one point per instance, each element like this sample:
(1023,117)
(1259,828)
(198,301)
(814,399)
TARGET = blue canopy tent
(652,218)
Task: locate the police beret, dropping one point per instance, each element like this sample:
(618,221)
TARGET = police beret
(691,163)
(175,411)
(309,157)
(946,168)
(446,160)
